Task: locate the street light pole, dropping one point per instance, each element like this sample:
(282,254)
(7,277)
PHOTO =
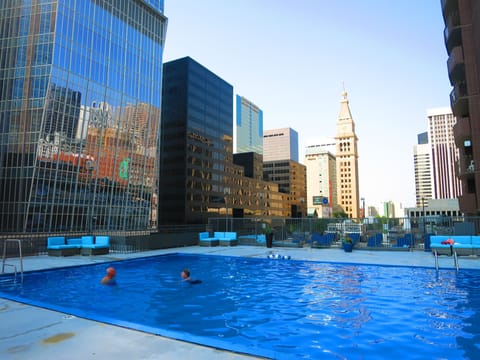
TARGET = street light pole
(261,204)
(226,191)
(89,192)
(423,215)
(363,207)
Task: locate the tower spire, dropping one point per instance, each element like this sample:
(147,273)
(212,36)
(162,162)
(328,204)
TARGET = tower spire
(344,113)
(347,160)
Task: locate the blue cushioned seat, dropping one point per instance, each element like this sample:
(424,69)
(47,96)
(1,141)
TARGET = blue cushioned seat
(101,245)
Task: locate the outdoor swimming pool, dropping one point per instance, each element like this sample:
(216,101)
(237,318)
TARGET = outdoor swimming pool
(283,309)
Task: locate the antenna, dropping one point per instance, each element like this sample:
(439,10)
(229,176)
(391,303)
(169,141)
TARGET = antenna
(344,93)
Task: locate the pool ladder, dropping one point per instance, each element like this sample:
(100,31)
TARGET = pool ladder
(5,258)
(455,260)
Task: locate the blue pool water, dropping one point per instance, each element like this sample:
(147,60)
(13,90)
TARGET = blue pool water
(283,309)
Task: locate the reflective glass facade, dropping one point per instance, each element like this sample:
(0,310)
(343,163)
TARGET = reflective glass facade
(196,145)
(249,126)
(199,178)
(80,95)
(291,178)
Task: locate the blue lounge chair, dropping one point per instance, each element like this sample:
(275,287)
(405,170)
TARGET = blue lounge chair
(56,246)
(101,246)
(375,240)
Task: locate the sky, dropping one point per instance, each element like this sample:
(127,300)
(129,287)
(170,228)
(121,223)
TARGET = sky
(294,58)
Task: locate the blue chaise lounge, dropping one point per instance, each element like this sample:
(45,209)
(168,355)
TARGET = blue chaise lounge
(100,246)
(204,239)
(463,245)
(227,238)
(56,246)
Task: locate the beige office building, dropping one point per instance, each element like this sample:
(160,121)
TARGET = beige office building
(280,144)
(444,153)
(347,161)
(321,180)
(423,173)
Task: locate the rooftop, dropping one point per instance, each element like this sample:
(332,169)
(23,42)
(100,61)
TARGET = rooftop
(30,332)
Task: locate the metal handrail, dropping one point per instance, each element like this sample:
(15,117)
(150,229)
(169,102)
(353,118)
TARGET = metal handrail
(19,242)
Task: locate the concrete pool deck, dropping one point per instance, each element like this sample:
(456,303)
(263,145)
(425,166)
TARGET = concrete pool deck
(28,332)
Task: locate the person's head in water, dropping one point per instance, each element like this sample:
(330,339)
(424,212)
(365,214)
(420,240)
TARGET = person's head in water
(109,279)
(185,274)
(186,277)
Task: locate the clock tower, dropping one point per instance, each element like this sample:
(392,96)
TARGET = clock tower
(347,161)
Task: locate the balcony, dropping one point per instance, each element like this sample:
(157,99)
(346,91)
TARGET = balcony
(459,100)
(468,203)
(461,131)
(456,65)
(448,6)
(452,34)
(466,166)
(452,37)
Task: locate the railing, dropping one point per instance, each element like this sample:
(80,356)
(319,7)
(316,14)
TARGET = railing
(395,233)
(389,233)
(4,258)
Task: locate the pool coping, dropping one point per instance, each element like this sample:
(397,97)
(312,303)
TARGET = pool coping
(209,342)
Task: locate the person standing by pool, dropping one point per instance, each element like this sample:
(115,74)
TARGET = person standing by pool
(109,279)
(186,277)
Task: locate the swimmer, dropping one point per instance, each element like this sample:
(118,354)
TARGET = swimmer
(186,277)
(109,279)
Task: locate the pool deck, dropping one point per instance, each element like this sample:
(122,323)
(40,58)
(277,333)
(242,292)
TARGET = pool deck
(28,332)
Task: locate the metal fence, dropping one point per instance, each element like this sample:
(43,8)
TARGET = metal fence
(120,241)
(394,232)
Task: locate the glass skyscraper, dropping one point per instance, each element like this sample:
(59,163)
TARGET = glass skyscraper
(249,126)
(197,143)
(80,96)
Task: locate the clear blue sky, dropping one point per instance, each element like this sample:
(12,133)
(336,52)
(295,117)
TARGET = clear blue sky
(291,57)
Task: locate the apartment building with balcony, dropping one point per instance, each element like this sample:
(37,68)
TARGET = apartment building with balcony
(462,39)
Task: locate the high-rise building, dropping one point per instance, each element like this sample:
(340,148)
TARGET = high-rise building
(281,166)
(325,144)
(462,36)
(291,178)
(389,210)
(196,142)
(249,129)
(252,164)
(321,180)
(199,176)
(444,154)
(347,161)
(423,170)
(280,144)
(80,85)
(251,194)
